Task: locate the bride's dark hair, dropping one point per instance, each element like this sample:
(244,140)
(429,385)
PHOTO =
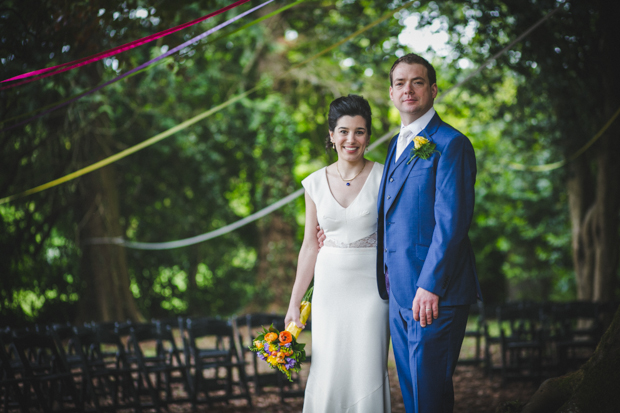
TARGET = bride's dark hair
(352,105)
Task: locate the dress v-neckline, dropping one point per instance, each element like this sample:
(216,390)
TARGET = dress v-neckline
(331,194)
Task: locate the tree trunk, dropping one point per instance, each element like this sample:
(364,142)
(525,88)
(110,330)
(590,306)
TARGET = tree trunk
(103,268)
(580,200)
(594,206)
(277,259)
(594,198)
(591,389)
(605,232)
(595,222)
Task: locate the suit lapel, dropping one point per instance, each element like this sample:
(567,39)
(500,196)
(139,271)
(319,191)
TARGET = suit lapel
(427,132)
(401,170)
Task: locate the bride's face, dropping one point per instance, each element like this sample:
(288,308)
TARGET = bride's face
(350,137)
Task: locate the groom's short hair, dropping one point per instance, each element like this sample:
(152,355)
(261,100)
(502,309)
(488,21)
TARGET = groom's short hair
(412,58)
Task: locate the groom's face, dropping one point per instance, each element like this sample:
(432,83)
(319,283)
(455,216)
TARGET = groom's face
(411,91)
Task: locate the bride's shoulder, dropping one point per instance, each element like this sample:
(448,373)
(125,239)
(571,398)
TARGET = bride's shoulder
(378,166)
(315,176)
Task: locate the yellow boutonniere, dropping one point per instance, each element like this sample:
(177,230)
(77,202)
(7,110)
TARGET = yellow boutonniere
(422,148)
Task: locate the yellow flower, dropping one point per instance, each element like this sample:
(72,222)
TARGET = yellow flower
(272,360)
(418,141)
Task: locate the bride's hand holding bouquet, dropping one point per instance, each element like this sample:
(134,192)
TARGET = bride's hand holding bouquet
(281,349)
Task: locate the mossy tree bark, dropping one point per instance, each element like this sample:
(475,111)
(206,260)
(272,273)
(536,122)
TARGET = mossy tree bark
(594,198)
(103,268)
(594,205)
(591,389)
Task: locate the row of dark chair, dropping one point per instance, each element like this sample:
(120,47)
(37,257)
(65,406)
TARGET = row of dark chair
(537,340)
(112,366)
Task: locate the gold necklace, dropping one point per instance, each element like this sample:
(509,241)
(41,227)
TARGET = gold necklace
(348,181)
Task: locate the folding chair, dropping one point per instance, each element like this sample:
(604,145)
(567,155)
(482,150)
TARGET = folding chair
(154,349)
(46,371)
(521,338)
(14,390)
(108,367)
(71,349)
(248,325)
(210,344)
(578,332)
(477,333)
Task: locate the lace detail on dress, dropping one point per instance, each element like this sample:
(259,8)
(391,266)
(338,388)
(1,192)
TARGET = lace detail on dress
(366,242)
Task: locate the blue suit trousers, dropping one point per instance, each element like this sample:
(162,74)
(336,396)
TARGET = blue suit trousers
(427,356)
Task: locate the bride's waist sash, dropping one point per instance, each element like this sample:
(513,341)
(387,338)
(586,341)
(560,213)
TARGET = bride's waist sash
(366,242)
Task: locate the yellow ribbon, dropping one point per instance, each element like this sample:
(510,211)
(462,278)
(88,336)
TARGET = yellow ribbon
(556,165)
(188,122)
(304,310)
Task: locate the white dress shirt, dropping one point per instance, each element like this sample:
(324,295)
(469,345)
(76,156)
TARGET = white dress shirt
(407,133)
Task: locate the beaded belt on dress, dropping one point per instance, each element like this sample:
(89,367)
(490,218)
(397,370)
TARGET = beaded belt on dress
(366,242)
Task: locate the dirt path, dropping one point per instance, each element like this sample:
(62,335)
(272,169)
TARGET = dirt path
(474,393)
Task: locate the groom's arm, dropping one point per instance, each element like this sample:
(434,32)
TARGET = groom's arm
(453,210)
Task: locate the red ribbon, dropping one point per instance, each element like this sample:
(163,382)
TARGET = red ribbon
(119,49)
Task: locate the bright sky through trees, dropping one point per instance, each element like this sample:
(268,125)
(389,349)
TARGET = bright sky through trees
(433,37)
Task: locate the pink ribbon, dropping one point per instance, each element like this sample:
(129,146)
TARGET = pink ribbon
(142,66)
(50,71)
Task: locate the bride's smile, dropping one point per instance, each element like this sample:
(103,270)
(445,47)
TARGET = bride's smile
(350,138)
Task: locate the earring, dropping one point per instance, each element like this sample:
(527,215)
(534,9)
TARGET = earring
(333,145)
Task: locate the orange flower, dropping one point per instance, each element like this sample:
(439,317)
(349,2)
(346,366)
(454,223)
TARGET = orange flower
(271,337)
(285,337)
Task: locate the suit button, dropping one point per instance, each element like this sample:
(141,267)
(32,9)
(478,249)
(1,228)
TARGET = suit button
(389,197)
(386,250)
(391,179)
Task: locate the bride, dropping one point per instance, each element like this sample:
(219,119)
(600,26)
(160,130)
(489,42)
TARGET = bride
(350,329)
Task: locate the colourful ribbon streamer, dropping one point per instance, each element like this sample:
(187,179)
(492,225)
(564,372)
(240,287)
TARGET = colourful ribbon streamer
(290,198)
(139,68)
(199,238)
(182,125)
(224,35)
(559,164)
(112,52)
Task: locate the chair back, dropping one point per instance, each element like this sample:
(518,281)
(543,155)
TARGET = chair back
(47,369)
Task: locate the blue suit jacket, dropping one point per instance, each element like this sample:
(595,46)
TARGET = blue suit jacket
(425,210)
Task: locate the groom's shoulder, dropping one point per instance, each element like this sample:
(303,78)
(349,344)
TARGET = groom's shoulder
(446,134)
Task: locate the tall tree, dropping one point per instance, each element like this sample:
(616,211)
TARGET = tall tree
(567,91)
(568,77)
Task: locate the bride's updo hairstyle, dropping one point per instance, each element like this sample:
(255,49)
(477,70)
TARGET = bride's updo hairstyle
(352,105)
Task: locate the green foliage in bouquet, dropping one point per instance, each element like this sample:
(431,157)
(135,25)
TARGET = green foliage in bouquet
(280,350)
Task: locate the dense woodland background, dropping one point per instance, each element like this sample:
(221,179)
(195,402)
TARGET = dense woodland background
(537,235)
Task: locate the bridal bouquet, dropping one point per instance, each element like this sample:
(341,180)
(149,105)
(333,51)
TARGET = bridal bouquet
(280,349)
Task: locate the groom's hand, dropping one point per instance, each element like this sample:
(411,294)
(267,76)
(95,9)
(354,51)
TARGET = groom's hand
(320,236)
(425,307)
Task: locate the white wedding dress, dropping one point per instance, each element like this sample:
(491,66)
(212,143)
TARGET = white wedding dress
(350,329)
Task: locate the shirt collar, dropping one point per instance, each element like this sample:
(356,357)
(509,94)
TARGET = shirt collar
(419,124)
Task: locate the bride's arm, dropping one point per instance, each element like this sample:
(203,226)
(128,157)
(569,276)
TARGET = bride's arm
(305,264)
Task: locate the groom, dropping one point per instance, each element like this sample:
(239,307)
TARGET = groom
(425,262)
